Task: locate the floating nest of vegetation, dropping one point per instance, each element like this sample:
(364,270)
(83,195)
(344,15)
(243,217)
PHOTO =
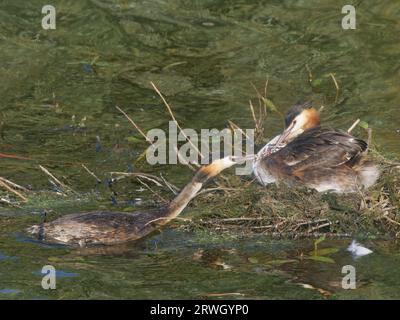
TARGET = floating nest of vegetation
(247,208)
(280,211)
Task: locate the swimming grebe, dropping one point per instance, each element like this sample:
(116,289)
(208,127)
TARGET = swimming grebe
(116,227)
(320,158)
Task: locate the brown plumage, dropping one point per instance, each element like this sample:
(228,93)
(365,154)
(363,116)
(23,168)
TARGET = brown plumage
(320,158)
(117,227)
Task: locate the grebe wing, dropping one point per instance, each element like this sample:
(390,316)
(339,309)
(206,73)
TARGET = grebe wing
(321,147)
(109,220)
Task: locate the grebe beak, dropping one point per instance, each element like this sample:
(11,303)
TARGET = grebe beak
(242,159)
(289,133)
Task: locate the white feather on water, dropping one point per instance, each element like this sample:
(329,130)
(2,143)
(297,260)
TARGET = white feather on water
(358,250)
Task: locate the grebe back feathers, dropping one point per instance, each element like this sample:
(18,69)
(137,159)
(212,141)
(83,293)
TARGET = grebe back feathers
(321,158)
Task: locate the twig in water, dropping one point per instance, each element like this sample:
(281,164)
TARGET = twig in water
(13,184)
(235,126)
(259,95)
(152,191)
(9,203)
(353,125)
(243,219)
(169,185)
(391,220)
(258,122)
(266,87)
(55,179)
(311,230)
(6,186)
(308,235)
(263,227)
(336,86)
(253,114)
(215,189)
(13,156)
(307,223)
(134,124)
(173,119)
(156,180)
(91,173)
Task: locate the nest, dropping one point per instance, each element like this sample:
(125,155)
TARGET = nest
(287,212)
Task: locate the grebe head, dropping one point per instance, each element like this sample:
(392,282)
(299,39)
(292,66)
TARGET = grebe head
(213,169)
(299,118)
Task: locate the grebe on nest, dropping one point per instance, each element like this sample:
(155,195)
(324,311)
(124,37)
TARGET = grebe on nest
(117,227)
(320,158)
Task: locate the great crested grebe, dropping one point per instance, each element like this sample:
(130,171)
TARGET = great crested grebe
(320,158)
(117,227)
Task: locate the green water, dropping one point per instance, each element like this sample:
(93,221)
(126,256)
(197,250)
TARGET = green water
(59,89)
